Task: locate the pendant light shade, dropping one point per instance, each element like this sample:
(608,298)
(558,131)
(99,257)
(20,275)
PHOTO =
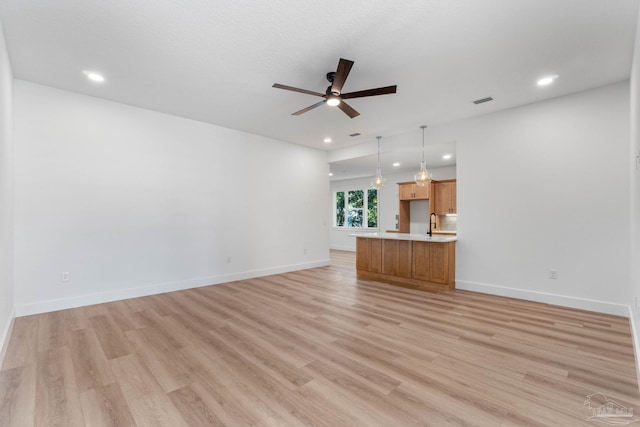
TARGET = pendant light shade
(378,181)
(423,176)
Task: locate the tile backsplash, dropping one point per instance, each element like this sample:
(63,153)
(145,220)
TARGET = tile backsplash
(448,223)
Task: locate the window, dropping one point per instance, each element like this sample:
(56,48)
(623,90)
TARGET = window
(356,208)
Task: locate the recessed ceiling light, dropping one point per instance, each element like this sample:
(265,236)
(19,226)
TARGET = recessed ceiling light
(446,156)
(330,173)
(327,140)
(93,76)
(547,80)
(396,164)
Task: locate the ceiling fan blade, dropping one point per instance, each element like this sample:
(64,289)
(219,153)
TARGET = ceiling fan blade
(370,92)
(297,89)
(349,111)
(344,66)
(311,107)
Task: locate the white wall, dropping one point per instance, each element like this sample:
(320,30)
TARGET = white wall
(6,197)
(387,204)
(634,152)
(546,186)
(132,202)
(543,186)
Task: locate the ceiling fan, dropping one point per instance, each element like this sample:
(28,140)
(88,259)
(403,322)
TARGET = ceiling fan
(333,95)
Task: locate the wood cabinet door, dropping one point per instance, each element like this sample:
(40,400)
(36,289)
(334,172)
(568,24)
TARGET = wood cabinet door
(438,262)
(390,257)
(406,191)
(405,253)
(396,258)
(362,253)
(442,198)
(420,261)
(410,191)
(421,193)
(375,255)
(369,254)
(454,196)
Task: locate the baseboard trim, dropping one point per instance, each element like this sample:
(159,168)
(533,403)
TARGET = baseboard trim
(159,288)
(636,344)
(4,338)
(563,300)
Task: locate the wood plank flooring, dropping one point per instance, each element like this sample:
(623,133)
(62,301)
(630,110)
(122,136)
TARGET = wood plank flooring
(316,347)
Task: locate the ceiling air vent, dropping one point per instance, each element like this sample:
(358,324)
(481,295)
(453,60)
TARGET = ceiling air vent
(480,101)
(356,134)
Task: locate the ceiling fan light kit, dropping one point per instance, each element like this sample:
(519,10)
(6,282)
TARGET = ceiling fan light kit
(333,100)
(333,96)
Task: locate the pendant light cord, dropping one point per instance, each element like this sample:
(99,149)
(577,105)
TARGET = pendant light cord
(378,151)
(423,127)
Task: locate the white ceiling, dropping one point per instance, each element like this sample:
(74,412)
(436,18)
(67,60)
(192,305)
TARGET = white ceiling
(215,61)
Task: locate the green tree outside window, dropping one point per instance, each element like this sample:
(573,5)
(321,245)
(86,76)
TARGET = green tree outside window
(356,208)
(372,208)
(340,209)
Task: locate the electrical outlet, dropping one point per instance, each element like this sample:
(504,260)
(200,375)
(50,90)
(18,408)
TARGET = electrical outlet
(553,274)
(228,260)
(65,276)
(305,251)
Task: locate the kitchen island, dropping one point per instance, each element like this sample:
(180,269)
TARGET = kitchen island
(416,261)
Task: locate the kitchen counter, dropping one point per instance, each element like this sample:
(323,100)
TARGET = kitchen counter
(446,232)
(416,261)
(407,236)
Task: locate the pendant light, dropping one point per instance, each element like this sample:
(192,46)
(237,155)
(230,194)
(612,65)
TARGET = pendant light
(378,181)
(423,176)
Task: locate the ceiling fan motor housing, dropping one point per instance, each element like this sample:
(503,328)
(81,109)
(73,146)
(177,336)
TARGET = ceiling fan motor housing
(330,76)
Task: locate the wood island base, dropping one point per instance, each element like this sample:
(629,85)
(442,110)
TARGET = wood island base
(416,264)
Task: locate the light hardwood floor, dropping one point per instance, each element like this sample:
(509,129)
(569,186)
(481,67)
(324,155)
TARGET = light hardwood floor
(315,347)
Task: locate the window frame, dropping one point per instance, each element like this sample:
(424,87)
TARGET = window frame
(364,209)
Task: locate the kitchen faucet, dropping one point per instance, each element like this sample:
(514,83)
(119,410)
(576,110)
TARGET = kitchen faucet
(432,221)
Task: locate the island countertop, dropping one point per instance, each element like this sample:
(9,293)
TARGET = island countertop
(407,236)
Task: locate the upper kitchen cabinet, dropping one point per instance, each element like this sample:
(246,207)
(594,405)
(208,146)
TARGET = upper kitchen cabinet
(412,191)
(408,192)
(444,197)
